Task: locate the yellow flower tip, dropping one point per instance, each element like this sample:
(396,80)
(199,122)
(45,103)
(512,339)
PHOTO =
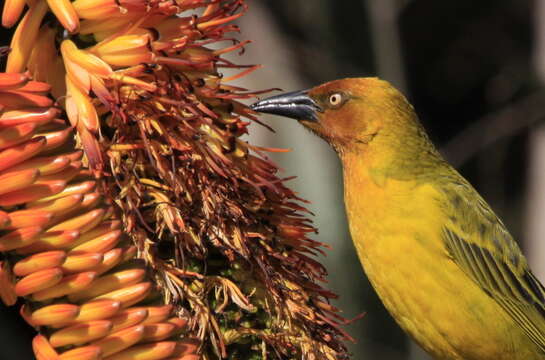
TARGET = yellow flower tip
(110,25)
(29,218)
(43,349)
(7,291)
(37,281)
(102,229)
(16,134)
(158,331)
(120,340)
(91,200)
(75,156)
(158,313)
(55,314)
(111,259)
(51,240)
(32,193)
(20,238)
(44,165)
(82,353)
(126,50)
(81,261)
(128,317)
(138,39)
(68,285)
(98,310)
(73,188)
(102,243)
(110,283)
(17,180)
(38,262)
(81,333)
(55,139)
(96,9)
(129,295)
(82,222)
(38,116)
(85,59)
(69,172)
(65,13)
(62,205)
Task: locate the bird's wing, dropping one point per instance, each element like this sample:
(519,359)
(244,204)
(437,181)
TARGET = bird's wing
(479,243)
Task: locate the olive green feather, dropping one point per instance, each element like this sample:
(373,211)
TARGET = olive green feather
(487,253)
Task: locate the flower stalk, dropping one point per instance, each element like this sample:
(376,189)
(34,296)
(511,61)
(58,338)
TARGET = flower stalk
(167,236)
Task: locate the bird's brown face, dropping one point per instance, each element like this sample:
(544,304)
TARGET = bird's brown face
(361,118)
(340,111)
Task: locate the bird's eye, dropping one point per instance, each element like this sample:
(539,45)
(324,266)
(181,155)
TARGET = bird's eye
(336,99)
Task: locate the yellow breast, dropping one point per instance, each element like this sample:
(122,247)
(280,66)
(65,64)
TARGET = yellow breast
(396,229)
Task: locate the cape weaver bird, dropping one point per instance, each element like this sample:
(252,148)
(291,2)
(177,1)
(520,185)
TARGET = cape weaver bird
(441,261)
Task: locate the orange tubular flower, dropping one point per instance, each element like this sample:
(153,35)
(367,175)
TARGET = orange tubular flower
(167,237)
(61,238)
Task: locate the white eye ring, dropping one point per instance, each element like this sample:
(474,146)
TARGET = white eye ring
(335,99)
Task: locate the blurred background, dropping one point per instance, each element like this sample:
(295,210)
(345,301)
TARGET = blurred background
(473,71)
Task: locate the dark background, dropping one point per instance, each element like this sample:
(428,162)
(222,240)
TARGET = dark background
(468,68)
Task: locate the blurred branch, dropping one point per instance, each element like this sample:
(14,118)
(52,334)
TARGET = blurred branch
(493,127)
(384,15)
(535,196)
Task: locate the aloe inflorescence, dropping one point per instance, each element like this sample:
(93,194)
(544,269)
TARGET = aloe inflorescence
(167,236)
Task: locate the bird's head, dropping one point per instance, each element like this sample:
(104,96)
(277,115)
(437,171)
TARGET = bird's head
(350,114)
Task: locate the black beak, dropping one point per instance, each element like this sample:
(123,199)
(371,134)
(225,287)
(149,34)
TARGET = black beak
(296,105)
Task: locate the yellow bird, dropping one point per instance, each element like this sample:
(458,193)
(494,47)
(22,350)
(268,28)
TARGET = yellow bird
(441,261)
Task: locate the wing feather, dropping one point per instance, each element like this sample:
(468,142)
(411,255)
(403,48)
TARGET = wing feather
(479,243)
